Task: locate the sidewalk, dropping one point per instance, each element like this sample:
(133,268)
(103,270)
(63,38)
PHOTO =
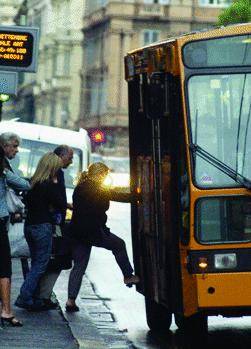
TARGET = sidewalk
(94,326)
(55,329)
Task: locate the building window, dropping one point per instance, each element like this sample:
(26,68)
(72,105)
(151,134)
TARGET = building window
(159,2)
(93,5)
(221,3)
(37,20)
(54,61)
(94,51)
(61,61)
(96,95)
(67,60)
(91,50)
(65,112)
(103,97)
(150,36)
(47,74)
(53,113)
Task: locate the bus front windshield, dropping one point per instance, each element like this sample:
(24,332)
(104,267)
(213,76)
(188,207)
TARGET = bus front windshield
(30,152)
(220,113)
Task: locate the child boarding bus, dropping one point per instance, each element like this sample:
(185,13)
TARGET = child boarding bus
(36,140)
(190,158)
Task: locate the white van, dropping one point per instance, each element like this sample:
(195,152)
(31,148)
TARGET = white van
(36,141)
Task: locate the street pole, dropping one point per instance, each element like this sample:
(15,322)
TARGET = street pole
(1,108)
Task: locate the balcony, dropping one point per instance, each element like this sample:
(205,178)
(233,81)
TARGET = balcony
(125,10)
(151,10)
(61,83)
(95,18)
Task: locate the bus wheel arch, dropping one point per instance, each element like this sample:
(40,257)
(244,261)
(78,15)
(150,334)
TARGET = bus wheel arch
(196,323)
(158,317)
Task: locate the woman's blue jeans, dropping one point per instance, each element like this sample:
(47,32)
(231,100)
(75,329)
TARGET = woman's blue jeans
(39,239)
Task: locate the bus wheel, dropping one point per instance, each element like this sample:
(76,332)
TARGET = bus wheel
(157,316)
(195,323)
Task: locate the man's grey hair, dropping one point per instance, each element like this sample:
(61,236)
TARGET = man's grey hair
(62,150)
(8,137)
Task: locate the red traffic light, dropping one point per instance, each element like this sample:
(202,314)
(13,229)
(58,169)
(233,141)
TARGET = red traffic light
(98,136)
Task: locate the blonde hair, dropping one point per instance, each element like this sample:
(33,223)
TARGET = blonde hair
(47,168)
(94,171)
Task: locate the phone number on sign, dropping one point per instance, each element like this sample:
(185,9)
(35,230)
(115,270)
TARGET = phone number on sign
(12,56)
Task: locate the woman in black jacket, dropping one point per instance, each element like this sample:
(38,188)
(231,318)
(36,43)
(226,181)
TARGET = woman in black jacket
(88,228)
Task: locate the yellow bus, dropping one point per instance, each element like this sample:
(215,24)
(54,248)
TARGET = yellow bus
(190,158)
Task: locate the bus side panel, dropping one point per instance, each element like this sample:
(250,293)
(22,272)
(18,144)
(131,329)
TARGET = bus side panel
(223,290)
(189,287)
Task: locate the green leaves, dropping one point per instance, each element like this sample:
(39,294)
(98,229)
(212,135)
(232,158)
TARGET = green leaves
(238,12)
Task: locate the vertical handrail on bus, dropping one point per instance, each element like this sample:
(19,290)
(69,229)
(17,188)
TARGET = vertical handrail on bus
(155,109)
(157,176)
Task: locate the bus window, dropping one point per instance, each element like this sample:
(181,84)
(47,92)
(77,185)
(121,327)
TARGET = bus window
(229,51)
(220,111)
(30,153)
(223,220)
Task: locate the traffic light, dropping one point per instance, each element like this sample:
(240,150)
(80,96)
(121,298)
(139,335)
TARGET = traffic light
(97,136)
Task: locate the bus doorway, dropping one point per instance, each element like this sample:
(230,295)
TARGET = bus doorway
(154,172)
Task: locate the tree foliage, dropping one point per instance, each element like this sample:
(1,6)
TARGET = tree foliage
(238,12)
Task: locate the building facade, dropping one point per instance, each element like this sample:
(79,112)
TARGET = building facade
(52,95)
(111,29)
(8,10)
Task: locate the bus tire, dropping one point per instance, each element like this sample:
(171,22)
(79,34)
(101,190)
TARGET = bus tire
(196,323)
(157,316)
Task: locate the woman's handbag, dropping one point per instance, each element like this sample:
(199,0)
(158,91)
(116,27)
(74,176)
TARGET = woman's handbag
(61,258)
(14,202)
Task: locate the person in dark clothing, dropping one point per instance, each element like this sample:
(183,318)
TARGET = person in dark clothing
(50,277)
(66,154)
(88,228)
(44,197)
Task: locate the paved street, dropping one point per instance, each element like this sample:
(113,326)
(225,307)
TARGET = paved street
(92,328)
(41,330)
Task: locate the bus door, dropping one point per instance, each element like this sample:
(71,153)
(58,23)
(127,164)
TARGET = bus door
(151,136)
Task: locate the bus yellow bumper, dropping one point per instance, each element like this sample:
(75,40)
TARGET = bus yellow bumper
(224,290)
